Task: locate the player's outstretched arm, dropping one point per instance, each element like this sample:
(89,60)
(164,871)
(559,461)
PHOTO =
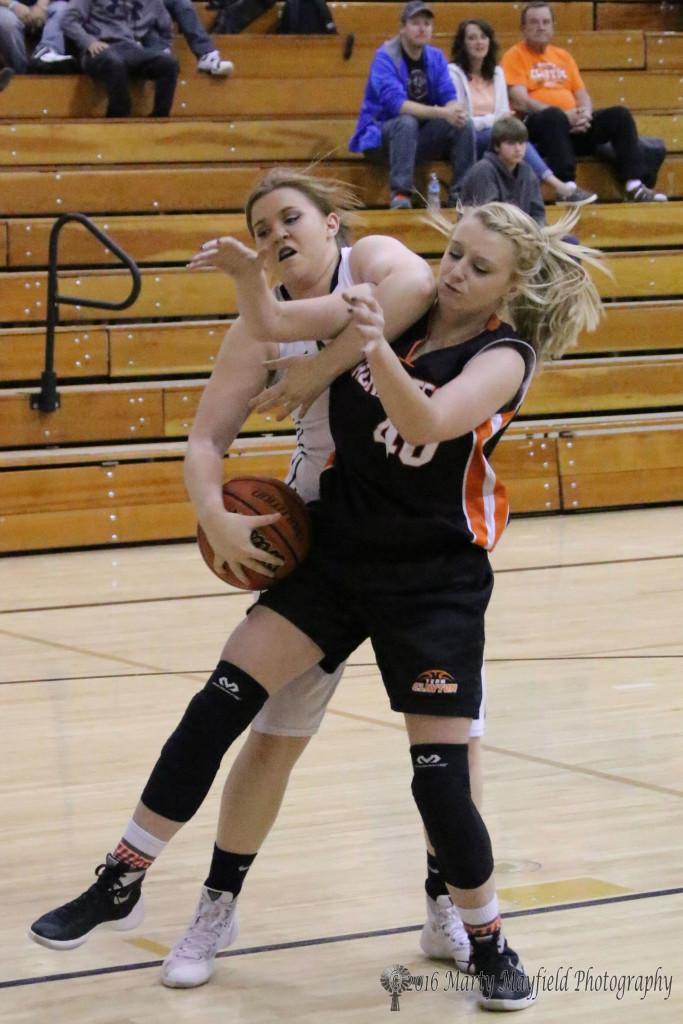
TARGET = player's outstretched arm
(267,319)
(401,282)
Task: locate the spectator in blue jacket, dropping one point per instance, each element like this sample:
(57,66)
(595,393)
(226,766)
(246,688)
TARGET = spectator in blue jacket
(411,112)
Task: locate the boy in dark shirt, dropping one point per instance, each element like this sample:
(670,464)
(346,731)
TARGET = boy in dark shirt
(502,175)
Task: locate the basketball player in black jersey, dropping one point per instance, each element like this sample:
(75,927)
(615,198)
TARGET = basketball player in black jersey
(407,514)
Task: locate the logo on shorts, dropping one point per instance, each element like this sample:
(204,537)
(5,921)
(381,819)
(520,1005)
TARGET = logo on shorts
(435,680)
(227,686)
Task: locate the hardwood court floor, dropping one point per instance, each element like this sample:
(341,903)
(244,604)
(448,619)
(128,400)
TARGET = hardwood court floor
(583,765)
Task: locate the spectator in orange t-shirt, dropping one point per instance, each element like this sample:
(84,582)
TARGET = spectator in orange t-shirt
(547,90)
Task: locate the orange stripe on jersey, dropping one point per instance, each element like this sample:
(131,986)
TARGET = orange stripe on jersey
(330,460)
(408,359)
(485,499)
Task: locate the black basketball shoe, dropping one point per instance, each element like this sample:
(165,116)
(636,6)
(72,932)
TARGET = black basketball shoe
(503,983)
(107,901)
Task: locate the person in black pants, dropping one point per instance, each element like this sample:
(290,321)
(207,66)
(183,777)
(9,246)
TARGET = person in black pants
(108,34)
(546,89)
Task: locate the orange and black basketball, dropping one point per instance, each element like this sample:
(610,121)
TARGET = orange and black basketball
(289,537)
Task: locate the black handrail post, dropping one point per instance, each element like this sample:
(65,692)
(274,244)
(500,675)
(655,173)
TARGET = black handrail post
(48,400)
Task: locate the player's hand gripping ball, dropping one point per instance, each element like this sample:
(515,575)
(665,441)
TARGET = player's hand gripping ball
(289,537)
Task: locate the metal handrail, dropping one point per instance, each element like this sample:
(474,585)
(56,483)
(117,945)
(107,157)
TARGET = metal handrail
(48,400)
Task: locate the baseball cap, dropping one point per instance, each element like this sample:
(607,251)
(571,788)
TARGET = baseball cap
(414,7)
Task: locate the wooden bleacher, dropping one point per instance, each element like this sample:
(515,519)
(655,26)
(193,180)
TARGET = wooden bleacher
(600,428)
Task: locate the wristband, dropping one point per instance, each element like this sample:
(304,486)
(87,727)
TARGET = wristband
(12,3)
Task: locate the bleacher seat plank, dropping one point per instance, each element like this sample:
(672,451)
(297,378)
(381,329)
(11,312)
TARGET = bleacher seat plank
(175,292)
(282,56)
(31,144)
(105,413)
(621,225)
(170,187)
(603,468)
(636,326)
(182,348)
(637,90)
(157,238)
(164,349)
(80,528)
(653,16)
(664,51)
(668,127)
(131,142)
(200,96)
(646,274)
(368,16)
(78,353)
(175,238)
(225,187)
(596,385)
(87,414)
(180,407)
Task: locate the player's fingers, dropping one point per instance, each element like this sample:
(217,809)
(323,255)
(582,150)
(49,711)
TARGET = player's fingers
(232,565)
(284,411)
(278,364)
(256,522)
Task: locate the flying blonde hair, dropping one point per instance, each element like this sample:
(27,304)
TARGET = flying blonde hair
(328,194)
(557,298)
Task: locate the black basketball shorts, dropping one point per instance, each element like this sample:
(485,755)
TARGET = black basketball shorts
(429,643)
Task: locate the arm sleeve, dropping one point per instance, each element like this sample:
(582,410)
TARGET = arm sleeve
(391,91)
(514,68)
(574,80)
(165,24)
(73,24)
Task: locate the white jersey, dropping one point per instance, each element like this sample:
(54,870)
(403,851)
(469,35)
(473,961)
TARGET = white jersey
(314,443)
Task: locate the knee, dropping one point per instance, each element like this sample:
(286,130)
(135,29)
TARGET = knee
(551,119)
(621,118)
(271,755)
(405,126)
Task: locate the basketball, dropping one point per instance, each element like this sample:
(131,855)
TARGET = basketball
(289,537)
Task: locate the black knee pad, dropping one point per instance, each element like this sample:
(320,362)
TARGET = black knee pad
(192,755)
(441,789)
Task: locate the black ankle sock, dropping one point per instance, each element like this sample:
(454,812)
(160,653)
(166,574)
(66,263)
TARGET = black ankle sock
(434,883)
(228,870)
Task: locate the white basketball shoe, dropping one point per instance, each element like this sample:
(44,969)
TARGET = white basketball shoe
(443,936)
(214,926)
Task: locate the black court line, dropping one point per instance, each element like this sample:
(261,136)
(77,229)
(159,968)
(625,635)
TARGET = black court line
(352,664)
(241,593)
(327,940)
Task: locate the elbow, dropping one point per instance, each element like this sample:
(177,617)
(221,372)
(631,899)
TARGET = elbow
(424,288)
(419,435)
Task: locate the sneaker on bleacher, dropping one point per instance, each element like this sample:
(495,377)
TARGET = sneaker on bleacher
(212,64)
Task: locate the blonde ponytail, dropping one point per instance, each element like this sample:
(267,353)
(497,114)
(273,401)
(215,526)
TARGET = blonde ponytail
(557,298)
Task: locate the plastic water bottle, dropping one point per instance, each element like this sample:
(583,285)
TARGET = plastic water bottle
(433,193)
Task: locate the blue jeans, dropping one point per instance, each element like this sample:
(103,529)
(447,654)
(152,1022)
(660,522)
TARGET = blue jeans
(407,141)
(13,35)
(185,13)
(532,156)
